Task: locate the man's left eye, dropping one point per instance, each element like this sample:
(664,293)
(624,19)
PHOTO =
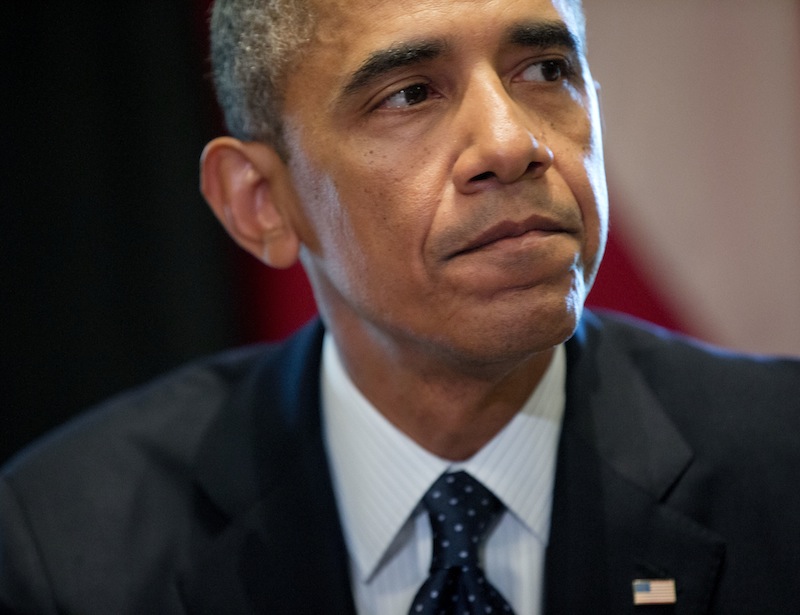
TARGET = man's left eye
(547,70)
(407,97)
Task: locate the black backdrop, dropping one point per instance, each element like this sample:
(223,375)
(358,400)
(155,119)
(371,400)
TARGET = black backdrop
(113,268)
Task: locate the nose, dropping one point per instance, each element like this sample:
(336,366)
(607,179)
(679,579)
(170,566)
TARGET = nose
(497,137)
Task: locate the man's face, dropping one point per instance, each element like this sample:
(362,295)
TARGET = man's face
(448,159)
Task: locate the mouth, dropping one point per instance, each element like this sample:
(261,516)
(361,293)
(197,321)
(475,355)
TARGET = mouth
(508,230)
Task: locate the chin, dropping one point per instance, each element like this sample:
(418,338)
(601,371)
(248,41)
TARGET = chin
(515,336)
(550,318)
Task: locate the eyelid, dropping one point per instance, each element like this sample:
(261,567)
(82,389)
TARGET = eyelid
(568,66)
(377,102)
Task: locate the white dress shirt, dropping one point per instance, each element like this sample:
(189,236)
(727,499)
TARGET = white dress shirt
(380,476)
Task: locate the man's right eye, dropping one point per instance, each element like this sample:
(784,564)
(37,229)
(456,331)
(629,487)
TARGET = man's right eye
(407,97)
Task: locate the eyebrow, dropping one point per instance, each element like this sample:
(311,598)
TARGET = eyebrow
(536,34)
(544,35)
(387,60)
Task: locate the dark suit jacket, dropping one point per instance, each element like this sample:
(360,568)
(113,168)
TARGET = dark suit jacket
(209,490)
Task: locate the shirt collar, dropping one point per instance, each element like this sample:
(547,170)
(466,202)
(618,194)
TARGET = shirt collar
(380,474)
(518,464)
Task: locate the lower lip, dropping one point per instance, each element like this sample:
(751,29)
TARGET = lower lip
(531,240)
(532,260)
(515,263)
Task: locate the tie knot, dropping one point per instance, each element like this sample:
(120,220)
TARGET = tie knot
(461,511)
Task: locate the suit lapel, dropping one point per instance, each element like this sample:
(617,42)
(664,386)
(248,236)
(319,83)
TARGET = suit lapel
(269,539)
(619,457)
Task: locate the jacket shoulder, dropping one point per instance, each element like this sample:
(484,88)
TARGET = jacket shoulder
(675,358)
(715,431)
(98,514)
(171,410)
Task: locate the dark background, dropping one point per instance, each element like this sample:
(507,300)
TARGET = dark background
(114,270)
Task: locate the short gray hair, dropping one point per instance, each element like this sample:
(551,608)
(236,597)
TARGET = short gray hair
(253,42)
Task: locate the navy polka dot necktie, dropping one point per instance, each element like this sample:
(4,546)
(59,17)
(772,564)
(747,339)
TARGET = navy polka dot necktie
(461,511)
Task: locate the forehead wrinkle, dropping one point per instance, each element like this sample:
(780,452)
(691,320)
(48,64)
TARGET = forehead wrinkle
(396,56)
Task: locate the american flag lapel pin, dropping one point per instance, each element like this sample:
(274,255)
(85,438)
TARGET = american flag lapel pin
(654,591)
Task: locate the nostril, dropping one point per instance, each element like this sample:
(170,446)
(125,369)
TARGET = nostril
(482,176)
(532,168)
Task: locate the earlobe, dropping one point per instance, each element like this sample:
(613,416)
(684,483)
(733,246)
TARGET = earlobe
(247,187)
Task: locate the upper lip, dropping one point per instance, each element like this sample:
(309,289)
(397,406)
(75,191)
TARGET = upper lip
(508,229)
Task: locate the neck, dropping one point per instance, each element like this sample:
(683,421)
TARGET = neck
(449,407)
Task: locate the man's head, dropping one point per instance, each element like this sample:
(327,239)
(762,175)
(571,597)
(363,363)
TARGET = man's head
(440,172)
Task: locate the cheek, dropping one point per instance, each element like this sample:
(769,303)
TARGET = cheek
(393,198)
(593,202)
(360,223)
(323,218)
(583,167)
(594,165)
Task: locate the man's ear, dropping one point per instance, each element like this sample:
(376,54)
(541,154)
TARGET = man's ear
(249,189)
